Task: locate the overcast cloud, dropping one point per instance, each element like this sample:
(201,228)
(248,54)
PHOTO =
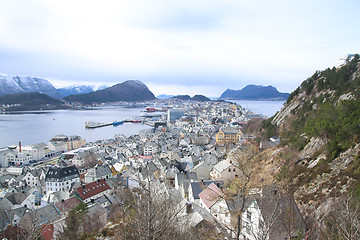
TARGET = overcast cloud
(177,47)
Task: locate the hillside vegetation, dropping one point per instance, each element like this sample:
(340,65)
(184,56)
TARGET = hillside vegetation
(327,106)
(319,158)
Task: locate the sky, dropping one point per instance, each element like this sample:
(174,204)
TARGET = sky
(177,47)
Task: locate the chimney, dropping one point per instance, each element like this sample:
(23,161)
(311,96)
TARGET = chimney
(19,146)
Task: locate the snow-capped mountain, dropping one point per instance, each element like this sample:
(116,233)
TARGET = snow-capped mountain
(12,84)
(101,87)
(80,89)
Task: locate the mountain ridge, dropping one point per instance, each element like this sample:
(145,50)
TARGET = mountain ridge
(128,91)
(75,89)
(13,84)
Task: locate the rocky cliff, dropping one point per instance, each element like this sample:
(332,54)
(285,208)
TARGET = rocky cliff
(319,160)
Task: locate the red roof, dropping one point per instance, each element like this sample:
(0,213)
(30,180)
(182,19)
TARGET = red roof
(210,195)
(91,189)
(47,232)
(68,204)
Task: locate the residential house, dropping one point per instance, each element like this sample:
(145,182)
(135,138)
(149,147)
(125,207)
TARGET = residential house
(25,199)
(41,218)
(181,177)
(91,191)
(98,172)
(225,170)
(66,205)
(33,177)
(212,200)
(271,214)
(118,167)
(12,217)
(202,170)
(195,188)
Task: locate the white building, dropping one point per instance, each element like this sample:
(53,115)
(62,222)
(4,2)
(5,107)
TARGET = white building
(150,149)
(60,178)
(271,215)
(4,161)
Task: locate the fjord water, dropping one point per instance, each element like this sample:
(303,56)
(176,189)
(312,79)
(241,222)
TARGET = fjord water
(40,126)
(266,108)
(33,127)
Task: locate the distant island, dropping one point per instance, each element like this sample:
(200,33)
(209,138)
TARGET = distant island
(200,98)
(255,92)
(30,102)
(164,96)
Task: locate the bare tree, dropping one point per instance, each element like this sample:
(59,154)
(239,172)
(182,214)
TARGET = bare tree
(343,222)
(34,224)
(90,160)
(149,213)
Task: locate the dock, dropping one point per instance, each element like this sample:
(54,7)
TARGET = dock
(96,124)
(91,124)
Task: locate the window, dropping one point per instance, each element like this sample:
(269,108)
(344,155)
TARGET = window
(248,228)
(248,215)
(229,170)
(261,224)
(234,170)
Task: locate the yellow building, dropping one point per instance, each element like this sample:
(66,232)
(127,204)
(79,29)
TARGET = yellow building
(75,142)
(228,135)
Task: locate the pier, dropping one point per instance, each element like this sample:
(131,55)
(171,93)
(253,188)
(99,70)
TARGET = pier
(114,123)
(96,124)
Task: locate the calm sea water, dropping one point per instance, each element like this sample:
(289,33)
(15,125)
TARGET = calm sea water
(266,108)
(40,126)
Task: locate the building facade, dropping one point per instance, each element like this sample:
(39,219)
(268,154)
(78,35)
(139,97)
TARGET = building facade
(228,135)
(60,178)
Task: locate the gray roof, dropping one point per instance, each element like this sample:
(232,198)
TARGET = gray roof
(16,198)
(43,215)
(188,176)
(60,173)
(221,166)
(100,171)
(20,212)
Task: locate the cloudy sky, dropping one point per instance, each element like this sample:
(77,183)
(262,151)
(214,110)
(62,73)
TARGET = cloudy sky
(177,47)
